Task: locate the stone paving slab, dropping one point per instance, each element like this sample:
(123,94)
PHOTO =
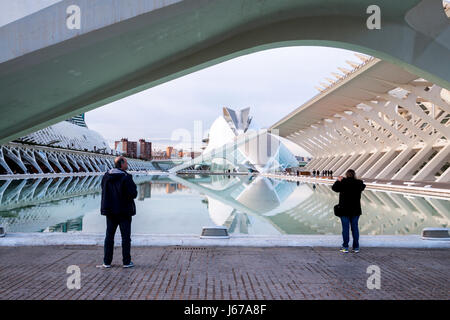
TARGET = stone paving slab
(216,273)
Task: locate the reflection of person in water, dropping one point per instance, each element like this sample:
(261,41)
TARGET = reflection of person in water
(314,186)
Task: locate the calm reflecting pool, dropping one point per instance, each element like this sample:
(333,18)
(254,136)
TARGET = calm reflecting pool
(183,205)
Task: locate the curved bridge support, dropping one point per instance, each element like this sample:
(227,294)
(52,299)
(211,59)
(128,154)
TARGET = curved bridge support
(165,40)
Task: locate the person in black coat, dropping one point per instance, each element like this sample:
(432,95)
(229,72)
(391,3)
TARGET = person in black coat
(118,194)
(349,189)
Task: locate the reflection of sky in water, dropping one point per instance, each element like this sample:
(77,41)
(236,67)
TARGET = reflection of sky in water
(245,205)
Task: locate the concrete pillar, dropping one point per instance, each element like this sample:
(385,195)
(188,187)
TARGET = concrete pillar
(397,162)
(434,164)
(344,165)
(373,170)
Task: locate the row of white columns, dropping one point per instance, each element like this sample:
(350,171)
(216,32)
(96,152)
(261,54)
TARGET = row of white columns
(64,161)
(389,137)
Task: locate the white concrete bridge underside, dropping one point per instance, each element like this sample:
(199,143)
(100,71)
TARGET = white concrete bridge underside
(381,121)
(49,72)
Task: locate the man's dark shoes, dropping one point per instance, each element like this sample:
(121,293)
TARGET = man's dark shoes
(130,265)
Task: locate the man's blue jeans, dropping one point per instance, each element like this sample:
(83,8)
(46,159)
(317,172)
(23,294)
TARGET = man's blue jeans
(348,222)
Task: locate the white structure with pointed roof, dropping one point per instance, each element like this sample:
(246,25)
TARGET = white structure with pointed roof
(234,145)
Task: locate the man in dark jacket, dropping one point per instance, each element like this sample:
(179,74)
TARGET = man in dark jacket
(350,190)
(118,192)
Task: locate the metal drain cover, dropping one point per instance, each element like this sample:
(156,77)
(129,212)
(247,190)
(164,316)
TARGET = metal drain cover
(436,233)
(217,232)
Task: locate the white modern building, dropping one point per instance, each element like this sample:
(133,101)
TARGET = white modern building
(70,134)
(66,147)
(235,145)
(378,119)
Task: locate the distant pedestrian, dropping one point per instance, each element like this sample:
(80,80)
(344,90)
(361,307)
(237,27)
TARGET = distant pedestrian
(331,173)
(349,207)
(118,192)
(314,173)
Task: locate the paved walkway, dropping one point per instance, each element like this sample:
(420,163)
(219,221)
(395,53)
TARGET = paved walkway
(225,273)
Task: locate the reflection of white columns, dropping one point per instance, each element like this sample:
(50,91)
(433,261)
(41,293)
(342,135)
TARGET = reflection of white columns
(440,207)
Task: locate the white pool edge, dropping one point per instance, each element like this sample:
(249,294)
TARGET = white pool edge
(141,240)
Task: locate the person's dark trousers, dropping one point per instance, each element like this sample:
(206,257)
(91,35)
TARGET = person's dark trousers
(124,224)
(347,223)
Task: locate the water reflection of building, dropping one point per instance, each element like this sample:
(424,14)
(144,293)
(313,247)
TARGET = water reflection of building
(172,187)
(70,225)
(302,209)
(145,191)
(238,202)
(383,213)
(245,204)
(58,204)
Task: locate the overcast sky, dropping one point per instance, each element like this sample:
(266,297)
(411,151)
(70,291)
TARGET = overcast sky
(272,83)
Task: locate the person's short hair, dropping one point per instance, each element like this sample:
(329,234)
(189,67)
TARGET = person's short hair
(118,161)
(350,174)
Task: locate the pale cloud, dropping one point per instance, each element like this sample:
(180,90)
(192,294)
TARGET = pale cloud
(11,10)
